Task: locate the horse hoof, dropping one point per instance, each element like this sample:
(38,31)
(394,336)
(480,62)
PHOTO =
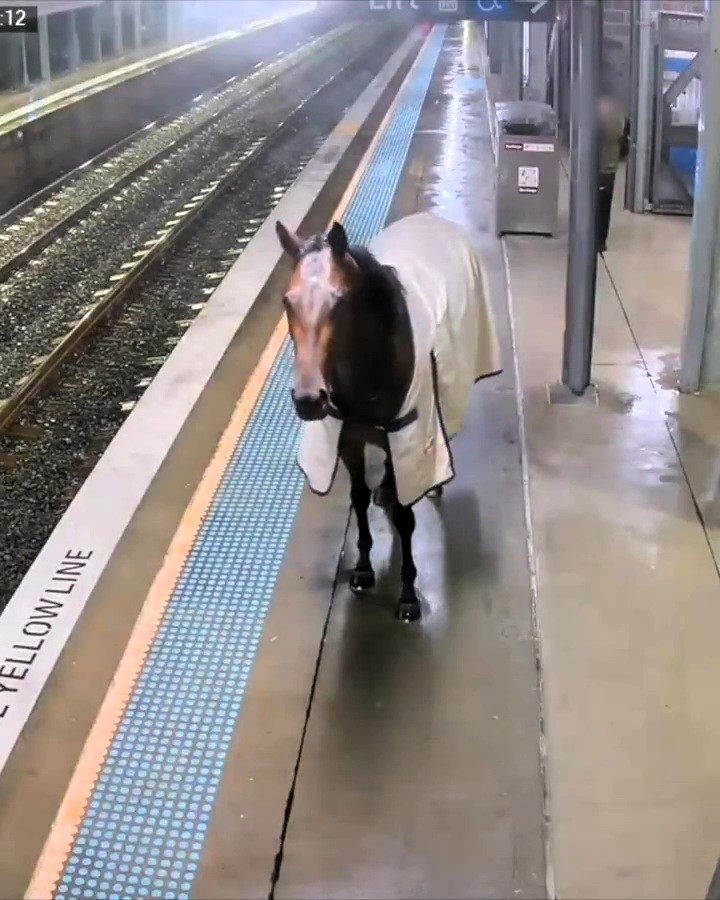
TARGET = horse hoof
(362,580)
(408,611)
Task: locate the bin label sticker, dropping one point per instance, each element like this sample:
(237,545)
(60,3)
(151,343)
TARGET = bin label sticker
(538,148)
(528,179)
(513,145)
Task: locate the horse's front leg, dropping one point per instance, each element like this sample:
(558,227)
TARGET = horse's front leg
(362,577)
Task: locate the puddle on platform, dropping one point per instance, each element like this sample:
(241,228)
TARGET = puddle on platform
(616,400)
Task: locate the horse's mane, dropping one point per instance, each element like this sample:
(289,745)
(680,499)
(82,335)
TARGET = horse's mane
(379,283)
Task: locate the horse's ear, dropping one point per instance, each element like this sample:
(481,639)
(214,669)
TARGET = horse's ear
(289,241)
(337,238)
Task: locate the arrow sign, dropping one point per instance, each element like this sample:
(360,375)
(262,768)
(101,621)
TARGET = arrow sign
(536,5)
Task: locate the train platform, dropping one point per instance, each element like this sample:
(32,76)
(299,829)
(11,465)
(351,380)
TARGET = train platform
(18,108)
(193,704)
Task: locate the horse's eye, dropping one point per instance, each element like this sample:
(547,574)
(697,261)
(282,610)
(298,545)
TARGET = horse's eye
(286,302)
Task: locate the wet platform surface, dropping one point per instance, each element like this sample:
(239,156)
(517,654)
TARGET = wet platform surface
(622,493)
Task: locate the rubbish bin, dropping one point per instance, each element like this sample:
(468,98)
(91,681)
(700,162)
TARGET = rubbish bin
(526,200)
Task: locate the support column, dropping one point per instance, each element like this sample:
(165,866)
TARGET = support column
(495,40)
(511,60)
(642,95)
(44,44)
(537,86)
(96,34)
(117,28)
(137,24)
(169,23)
(23,57)
(700,354)
(582,253)
(74,41)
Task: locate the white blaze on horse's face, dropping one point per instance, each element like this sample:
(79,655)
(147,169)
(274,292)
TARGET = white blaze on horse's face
(316,284)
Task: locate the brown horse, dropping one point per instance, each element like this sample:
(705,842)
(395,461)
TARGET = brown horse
(364,341)
(349,323)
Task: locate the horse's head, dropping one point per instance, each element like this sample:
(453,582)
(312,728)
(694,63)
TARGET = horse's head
(321,276)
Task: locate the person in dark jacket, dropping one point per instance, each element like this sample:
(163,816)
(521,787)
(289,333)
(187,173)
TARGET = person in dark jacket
(612,124)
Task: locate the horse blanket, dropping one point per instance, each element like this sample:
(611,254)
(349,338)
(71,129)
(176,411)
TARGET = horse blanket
(454,334)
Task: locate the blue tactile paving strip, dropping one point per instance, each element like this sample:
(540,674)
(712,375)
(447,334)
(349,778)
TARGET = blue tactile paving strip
(142,834)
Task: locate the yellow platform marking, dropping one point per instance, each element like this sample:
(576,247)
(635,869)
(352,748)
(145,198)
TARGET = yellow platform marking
(347,129)
(416,169)
(68,820)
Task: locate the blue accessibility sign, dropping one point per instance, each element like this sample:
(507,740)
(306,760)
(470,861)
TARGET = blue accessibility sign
(517,10)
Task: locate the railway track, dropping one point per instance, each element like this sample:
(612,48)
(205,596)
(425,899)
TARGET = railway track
(62,416)
(34,224)
(85,268)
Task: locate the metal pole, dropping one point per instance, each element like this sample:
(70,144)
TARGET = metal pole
(700,353)
(168,24)
(117,33)
(538,62)
(644,113)
(582,245)
(632,107)
(74,40)
(511,60)
(96,34)
(44,41)
(573,55)
(23,50)
(714,889)
(137,24)
(495,42)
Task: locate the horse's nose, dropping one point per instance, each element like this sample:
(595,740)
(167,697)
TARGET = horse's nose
(310,407)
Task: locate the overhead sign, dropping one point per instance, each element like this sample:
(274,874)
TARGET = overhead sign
(515,10)
(497,10)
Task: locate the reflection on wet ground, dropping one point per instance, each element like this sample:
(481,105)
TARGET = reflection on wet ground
(626,512)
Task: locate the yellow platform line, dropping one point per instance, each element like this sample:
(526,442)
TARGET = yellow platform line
(68,820)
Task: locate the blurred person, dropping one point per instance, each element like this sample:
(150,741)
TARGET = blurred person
(612,125)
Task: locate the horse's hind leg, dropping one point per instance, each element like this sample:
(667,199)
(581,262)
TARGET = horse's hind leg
(408,608)
(403,518)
